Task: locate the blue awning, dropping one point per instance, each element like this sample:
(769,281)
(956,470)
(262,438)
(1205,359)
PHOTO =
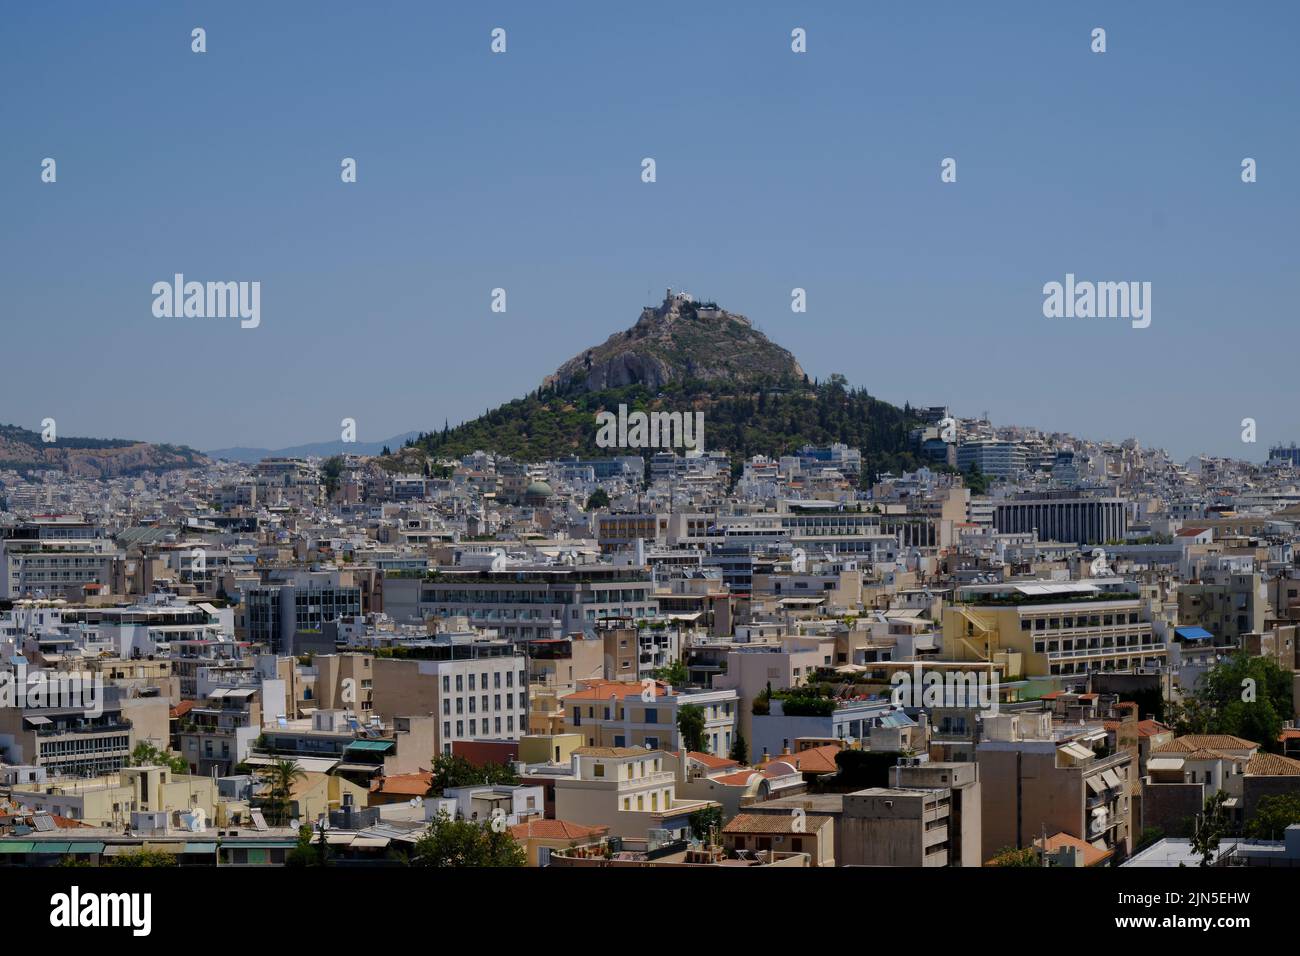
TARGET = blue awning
(1193,633)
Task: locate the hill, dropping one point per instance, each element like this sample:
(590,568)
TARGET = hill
(684,356)
(23,450)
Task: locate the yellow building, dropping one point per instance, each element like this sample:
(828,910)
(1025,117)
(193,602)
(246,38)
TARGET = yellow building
(1057,628)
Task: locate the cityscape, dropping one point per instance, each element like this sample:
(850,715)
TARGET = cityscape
(628,527)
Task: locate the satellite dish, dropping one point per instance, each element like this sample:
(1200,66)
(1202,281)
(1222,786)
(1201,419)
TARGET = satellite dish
(295,824)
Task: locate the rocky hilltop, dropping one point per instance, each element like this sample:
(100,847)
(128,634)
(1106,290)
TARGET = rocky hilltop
(678,340)
(23,450)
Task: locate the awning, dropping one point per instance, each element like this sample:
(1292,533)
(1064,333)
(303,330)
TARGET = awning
(375,843)
(1165,763)
(378,746)
(42,847)
(1192,633)
(200,848)
(15,847)
(38,721)
(89,847)
(1112,778)
(1094,784)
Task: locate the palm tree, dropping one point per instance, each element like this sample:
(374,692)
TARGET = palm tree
(281,776)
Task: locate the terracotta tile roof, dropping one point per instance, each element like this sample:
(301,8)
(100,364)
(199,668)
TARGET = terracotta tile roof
(774,823)
(813,760)
(556,830)
(710,761)
(605,689)
(1273,765)
(738,779)
(1091,855)
(183,708)
(1145,728)
(615,752)
(1190,742)
(415,784)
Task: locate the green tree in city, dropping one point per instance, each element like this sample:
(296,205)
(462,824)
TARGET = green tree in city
(1012,856)
(706,823)
(146,754)
(1209,828)
(690,724)
(455,771)
(597,499)
(673,674)
(331,470)
(143,857)
(281,777)
(457,843)
(1244,696)
(739,749)
(1273,815)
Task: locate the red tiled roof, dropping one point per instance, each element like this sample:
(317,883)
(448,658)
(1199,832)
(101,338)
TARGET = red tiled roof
(415,784)
(710,761)
(605,689)
(1091,855)
(183,708)
(556,830)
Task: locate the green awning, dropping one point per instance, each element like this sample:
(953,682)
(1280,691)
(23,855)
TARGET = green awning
(41,847)
(379,746)
(85,848)
(13,846)
(200,848)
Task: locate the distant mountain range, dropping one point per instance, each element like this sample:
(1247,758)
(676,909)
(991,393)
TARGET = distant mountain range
(323,449)
(24,450)
(683,356)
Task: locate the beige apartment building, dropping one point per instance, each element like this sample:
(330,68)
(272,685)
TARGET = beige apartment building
(475,689)
(625,714)
(110,799)
(1037,781)
(629,789)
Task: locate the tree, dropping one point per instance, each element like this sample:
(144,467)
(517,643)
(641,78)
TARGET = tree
(331,470)
(307,854)
(1149,836)
(1273,815)
(1244,696)
(281,776)
(1210,827)
(1013,856)
(456,843)
(673,674)
(146,754)
(455,771)
(690,724)
(143,857)
(739,749)
(597,499)
(705,822)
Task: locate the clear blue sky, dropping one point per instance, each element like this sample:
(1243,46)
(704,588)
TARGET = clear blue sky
(522,171)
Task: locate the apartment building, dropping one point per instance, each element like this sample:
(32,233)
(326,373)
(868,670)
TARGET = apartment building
(290,602)
(54,556)
(1037,781)
(475,688)
(525,603)
(1058,628)
(623,714)
(73,741)
(631,790)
